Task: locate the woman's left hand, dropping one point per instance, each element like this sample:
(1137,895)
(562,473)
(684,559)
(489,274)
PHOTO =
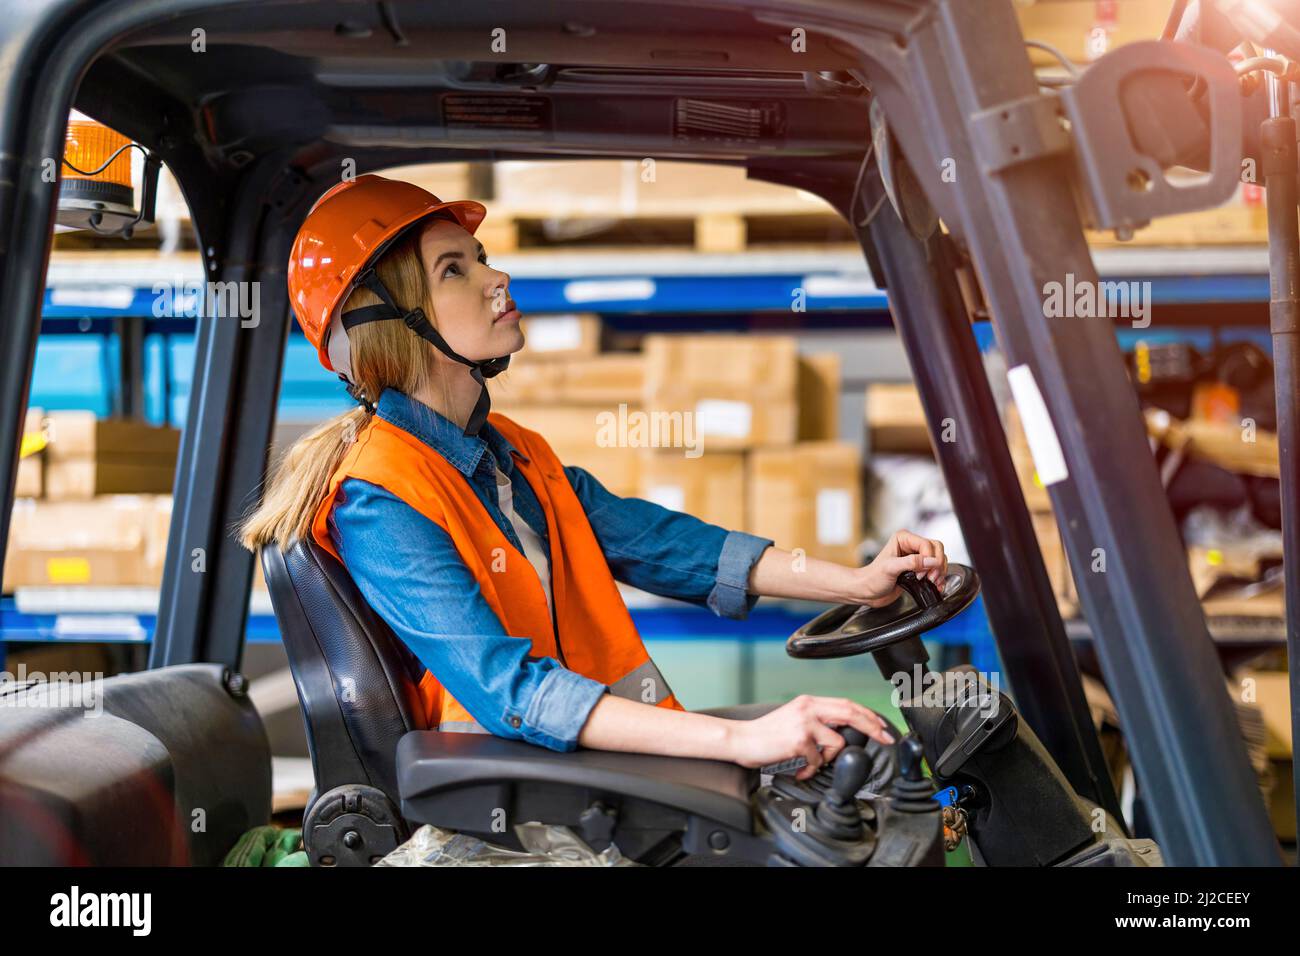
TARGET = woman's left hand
(877,583)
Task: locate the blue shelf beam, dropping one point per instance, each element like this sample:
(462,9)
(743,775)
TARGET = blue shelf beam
(686,623)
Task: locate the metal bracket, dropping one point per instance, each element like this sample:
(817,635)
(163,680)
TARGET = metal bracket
(1018,131)
(1123,188)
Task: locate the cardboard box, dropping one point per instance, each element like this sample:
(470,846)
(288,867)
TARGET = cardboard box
(808,496)
(526,382)
(560,336)
(605,380)
(597,380)
(110,540)
(711,486)
(449,181)
(157,530)
(741,390)
(81,435)
(605,187)
(31,478)
(579,438)
(31,468)
(75,479)
(896,420)
(88,456)
(819,397)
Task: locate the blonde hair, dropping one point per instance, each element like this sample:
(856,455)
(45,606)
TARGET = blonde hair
(383,355)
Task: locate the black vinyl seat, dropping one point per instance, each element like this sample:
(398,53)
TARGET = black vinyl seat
(358,687)
(357,682)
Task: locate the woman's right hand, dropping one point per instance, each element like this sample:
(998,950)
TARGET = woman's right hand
(801,728)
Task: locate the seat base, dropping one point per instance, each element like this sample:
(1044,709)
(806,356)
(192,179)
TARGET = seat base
(485,785)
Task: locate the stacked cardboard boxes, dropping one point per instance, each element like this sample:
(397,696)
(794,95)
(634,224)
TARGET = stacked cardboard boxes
(896,420)
(563,387)
(741,390)
(717,396)
(109,540)
(764,420)
(711,486)
(808,496)
(93,503)
(87,456)
(738,430)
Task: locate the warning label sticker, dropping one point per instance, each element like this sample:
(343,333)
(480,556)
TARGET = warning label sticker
(492,111)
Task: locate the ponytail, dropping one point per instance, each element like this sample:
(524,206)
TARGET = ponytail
(383,355)
(301,478)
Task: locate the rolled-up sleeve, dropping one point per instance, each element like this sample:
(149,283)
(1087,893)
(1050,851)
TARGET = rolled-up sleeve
(670,553)
(408,570)
(731,597)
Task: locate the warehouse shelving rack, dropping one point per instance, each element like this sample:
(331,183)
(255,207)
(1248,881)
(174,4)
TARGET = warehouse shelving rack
(109,295)
(113,295)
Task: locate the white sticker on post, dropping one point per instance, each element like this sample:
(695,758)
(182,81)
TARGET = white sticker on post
(717,416)
(1044,446)
(834,516)
(672,497)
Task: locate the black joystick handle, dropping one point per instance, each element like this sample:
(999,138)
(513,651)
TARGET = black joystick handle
(821,780)
(910,754)
(838,811)
(911,792)
(852,736)
(851,770)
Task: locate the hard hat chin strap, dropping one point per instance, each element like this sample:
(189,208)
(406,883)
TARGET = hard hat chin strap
(419,323)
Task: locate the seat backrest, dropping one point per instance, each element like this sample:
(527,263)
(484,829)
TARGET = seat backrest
(357,682)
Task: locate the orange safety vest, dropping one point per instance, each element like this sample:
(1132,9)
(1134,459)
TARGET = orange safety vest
(597,638)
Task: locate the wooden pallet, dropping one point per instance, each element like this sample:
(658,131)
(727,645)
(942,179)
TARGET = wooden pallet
(507,232)
(707,207)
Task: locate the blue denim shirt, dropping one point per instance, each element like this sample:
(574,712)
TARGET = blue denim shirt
(409,571)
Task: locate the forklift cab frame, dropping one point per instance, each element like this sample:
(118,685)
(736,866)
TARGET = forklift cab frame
(256,106)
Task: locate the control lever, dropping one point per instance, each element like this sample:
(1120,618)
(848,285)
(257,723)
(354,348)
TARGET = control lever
(973,728)
(852,736)
(911,792)
(838,811)
(821,781)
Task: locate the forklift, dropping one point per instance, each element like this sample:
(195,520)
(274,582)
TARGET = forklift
(968,184)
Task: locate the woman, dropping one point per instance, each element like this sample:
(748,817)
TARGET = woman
(491,560)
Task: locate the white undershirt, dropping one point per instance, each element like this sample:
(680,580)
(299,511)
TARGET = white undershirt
(533,548)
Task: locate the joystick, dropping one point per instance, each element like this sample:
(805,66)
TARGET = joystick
(911,791)
(837,813)
(821,780)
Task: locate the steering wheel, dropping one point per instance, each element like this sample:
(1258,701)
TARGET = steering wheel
(852,629)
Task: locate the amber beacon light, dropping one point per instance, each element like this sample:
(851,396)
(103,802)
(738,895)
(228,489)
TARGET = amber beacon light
(96,190)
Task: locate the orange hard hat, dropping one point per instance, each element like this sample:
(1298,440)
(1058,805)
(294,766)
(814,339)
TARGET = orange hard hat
(345,232)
